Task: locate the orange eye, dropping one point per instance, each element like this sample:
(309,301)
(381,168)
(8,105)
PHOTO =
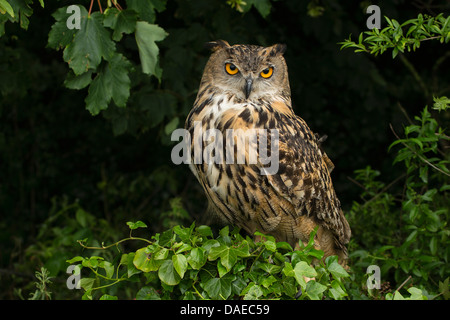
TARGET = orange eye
(231,68)
(267,73)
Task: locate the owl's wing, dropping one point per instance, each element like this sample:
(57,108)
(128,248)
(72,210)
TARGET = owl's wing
(303,176)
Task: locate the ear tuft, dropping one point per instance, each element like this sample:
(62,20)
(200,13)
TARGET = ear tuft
(277,49)
(216,45)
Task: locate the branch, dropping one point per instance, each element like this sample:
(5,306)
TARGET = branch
(418,155)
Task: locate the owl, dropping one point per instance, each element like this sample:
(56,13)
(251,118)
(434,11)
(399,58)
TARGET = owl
(279,182)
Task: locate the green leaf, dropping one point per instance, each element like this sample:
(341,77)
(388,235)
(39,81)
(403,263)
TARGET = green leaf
(218,288)
(112,81)
(147,293)
(60,36)
(146,9)
(135,225)
(180,264)
(168,274)
(315,290)
(228,256)
(6,7)
(336,290)
(204,231)
(301,270)
(90,44)
(120,21)
(78,82)
(146,37)
(197,258)
(254,293)
(337,270)
(145,262)
(108,297)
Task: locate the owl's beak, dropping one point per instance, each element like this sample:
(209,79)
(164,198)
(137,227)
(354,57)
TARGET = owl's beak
(248,87)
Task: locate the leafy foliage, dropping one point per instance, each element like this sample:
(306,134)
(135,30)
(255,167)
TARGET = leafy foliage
(394,37)
(189,263)
(65,177)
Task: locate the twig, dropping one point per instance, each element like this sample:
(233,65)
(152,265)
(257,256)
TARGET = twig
(100,6)
(111,245)
(90,8)
(404,282)
(418,155)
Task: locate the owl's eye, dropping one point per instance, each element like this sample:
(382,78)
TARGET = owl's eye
(231,68)
(267,73)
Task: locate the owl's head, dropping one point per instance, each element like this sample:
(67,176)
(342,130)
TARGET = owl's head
(247,71)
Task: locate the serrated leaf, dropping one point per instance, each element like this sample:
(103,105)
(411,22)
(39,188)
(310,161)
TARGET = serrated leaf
(146,37)
(146,9)
(123,21)
(60,36)
(111,82)
(90,44)
(78,82)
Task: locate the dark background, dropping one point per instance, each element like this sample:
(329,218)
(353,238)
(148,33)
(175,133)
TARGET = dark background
(67,175)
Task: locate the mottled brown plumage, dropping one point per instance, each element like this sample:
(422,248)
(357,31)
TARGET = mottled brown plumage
(235,94)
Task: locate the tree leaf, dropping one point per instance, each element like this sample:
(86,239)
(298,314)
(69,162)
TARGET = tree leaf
(90,44)
(146,36)
(146,9)
(60,36)
(78,82)
(120,21)
(6,7)
(112,81)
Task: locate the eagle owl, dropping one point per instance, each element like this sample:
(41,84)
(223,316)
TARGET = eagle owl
(246,88)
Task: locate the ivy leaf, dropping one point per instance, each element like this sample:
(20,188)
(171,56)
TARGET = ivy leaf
(314,290)
(168,274)
(218,288)
(144,261)
(135,225)
(180,264)
(112,81)
(146,36)
(90,44)
(228,256)
(337,270)
(197,258)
